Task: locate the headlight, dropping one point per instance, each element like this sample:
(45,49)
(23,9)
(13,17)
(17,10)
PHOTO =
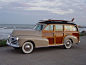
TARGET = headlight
(8,35)
(17,38)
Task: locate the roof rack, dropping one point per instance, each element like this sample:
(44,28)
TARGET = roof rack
(50,20)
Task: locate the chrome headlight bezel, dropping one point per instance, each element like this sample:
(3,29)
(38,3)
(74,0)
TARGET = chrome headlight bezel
(17,38)
(9,36)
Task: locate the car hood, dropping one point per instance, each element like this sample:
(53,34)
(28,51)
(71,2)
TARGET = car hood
(30,32)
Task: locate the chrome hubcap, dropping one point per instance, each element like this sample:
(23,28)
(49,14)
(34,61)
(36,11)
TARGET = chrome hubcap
(27,47)
(68,44)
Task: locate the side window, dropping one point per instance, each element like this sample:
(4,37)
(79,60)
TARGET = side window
(49,28)
(70,28)
(75,28)
(59,27)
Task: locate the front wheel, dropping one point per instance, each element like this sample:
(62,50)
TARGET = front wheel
(67,44)
(27,47)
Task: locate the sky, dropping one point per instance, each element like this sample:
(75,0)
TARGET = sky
(31,11)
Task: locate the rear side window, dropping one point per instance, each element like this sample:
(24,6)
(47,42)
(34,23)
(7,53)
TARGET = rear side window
(49,28)
(59,27)
(70,28)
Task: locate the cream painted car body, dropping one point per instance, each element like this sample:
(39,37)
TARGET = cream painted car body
(36,37)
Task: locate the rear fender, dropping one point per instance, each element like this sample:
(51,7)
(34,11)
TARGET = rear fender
(74,39)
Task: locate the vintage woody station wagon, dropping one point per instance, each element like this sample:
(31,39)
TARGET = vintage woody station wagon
(45,33)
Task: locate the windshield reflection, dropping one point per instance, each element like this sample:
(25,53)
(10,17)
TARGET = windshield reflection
(39,27)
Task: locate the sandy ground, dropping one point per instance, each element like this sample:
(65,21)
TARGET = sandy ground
(46,56)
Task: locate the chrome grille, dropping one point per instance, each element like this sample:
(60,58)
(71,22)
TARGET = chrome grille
(12,40)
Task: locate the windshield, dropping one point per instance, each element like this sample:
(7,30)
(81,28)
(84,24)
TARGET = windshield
(39,27)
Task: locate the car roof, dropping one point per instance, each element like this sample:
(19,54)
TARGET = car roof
(57,22)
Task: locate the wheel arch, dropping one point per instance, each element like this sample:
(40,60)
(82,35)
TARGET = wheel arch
(72,38)
(31,42)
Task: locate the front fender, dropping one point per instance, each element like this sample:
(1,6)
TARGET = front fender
(38,40)
(73,38)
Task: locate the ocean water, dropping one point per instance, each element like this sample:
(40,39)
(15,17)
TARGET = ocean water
(6,29)
(14,26)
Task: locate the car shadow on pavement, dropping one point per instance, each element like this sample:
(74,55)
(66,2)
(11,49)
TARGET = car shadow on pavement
(40,49)
(45,49)
(36,50)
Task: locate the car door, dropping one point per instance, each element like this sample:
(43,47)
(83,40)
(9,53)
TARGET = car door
(59,34)
(48,33)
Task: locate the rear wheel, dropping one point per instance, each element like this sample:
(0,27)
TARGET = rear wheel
(67,44)
(27,47)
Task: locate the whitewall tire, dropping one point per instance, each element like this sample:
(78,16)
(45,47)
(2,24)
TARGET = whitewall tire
(27,47)
(67,44)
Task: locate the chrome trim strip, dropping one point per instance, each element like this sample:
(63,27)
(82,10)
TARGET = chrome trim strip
(56,45)
(49,46)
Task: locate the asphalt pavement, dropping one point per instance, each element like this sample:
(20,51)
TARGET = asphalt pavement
(46,56)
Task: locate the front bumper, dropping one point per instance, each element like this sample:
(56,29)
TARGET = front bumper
(78,43)
(11,44)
